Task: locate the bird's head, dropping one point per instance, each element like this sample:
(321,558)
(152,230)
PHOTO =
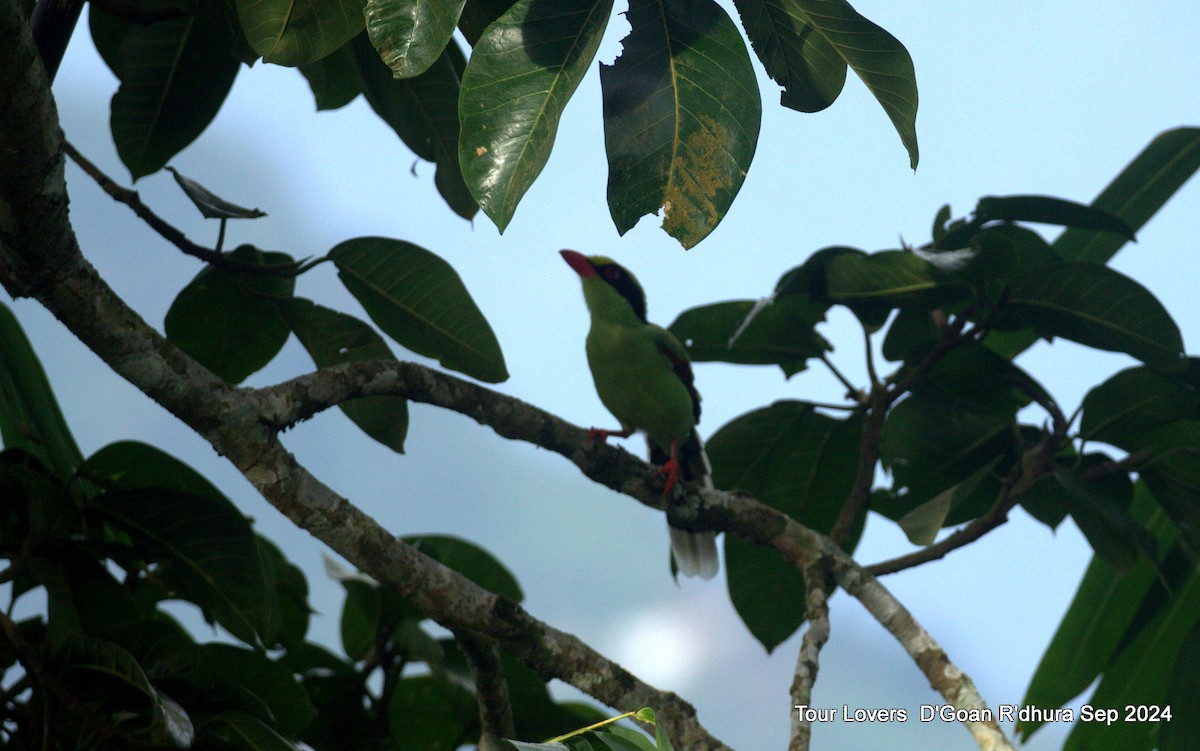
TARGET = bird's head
(608,287)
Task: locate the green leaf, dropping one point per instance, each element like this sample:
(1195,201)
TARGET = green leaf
(216,665)
(1096,622)
(99,657)
(1136,194)
(522,72)
(1049,210)
(294,32)
(175,74)
(1120,409)
(334,79)
(332,338)
(411,34)
(1133,196)
(921,524)
(471,561)
(423,111)
(431,713)
(796,460)
(795,55)
(781,333)
(1140,673)
(1007,251)
(243,731)
(30,419)
(911,332)
(805,45)
(419,300)
(1098,508)
(210,204)
(1182,689)
(1098,307)
(82,597)
(1174,472)
(206,546)
(291,590)
(227,320)
(360,618)
(681,118)
(890,278)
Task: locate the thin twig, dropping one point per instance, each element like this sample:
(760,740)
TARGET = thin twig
(851,390)
(808,660)
(169,232)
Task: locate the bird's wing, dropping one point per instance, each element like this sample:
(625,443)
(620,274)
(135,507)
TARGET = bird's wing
(677,356)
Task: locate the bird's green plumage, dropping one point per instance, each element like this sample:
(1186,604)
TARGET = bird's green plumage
(644,378)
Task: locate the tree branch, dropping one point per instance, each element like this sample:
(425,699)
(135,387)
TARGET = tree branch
(491,688)
(808,660)
(40,257)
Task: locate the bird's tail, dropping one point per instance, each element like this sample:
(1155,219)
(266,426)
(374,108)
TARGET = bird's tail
(695,552)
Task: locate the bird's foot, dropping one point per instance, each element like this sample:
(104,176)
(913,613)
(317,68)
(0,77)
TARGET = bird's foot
(671,471)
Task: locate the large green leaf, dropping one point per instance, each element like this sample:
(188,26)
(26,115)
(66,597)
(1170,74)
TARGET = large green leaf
(1136,194)
(243,731)
(1119,410)
(1050,210)
(294,32)
(1182,689)
(420,301)
(782,333)
(332,338)
(471,561)
(411,34)
(522,72)
(429,712)
(889,277)
(1098,618)
(334,79)
(795,54)
(227,320)
(174,74)
(806,45)
(796,460)
(681,117)
(205,545)
(30,419)
(217,665)
(1096,306)
(423,111)
(1139,675)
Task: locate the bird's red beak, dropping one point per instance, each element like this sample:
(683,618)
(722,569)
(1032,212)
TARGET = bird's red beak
(579,262)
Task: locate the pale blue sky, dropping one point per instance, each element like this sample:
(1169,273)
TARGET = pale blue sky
(1050,98)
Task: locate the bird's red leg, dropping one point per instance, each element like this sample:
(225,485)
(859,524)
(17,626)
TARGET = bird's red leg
(603,435)
(671,470)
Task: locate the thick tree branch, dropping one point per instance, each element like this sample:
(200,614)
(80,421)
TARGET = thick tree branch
(39,257)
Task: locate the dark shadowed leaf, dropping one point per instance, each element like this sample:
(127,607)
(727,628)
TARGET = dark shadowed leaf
(430,712)
(522,72)
(245,732)
(890,278)
(796,460)
(1139,674)
(217,664)
(332,338)
(795,54)
(294,32)
(420,301)
(423,111)
(1098,307)
(477,15)
(1096,622)
(334,79)
(1120,409)
(1049,210)
(1183,687)
(1098,508)
(411,34)
(174,76)
(30,419)
(205,545)
(782,333)
(210,204)
(681,118)
(227,320)
(806,45)
(471,561)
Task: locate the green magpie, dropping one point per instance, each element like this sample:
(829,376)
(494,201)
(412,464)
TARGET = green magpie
(644,378)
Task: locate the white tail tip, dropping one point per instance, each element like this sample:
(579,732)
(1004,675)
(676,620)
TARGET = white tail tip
(695,553)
